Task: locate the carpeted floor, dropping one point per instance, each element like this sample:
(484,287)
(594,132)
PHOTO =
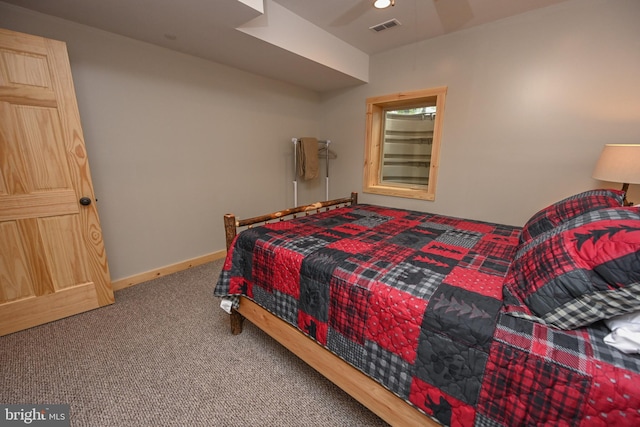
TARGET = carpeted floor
(162,355)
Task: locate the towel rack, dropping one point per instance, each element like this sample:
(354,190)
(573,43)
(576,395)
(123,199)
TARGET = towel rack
(295,169)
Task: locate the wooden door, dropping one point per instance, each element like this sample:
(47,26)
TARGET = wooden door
(52,258)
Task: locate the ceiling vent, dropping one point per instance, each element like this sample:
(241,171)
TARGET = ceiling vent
(385,25)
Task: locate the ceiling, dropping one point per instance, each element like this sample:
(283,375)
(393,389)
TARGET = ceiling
(317,44)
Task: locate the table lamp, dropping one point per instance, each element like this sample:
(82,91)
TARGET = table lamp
(619,163)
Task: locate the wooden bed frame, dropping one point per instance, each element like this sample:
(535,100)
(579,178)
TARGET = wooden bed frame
(365,390)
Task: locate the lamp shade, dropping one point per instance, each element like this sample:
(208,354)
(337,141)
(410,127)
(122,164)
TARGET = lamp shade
(619,163)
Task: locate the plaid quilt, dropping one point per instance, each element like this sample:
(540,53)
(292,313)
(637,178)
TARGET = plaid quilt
(414,300)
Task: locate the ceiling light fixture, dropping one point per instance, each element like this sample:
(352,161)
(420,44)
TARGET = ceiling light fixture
(382,4)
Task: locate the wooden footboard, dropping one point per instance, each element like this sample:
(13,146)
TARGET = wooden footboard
(365,390)
(232,225)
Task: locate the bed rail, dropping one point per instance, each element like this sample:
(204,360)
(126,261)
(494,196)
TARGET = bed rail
(232,224)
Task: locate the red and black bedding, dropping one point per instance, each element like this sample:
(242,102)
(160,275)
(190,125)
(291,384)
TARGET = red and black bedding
(415,301)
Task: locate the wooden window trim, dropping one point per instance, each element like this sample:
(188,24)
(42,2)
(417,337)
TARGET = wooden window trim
(374,140)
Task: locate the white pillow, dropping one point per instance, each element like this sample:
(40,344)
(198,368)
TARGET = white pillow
(625,332)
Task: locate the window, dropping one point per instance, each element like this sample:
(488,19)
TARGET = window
(403,143)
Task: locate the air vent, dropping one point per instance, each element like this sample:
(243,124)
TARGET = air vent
(385,25)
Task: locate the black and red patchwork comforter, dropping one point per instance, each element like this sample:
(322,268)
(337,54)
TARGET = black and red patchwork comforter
(414,300)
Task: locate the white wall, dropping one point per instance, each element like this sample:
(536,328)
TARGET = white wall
(175,142)
(531,101)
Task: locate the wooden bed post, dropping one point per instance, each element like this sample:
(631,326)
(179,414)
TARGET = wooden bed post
(229,228)
(230,231)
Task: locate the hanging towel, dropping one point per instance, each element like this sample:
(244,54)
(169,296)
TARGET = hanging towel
(308,158)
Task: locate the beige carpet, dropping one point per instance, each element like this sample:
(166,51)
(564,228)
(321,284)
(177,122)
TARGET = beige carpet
(163,355)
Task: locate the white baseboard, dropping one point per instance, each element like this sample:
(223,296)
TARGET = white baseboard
(163,271)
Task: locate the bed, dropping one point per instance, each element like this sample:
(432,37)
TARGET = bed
(425,317)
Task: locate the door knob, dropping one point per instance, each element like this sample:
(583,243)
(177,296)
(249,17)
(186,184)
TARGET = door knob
(85,201)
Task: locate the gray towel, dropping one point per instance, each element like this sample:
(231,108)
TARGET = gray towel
(308,158)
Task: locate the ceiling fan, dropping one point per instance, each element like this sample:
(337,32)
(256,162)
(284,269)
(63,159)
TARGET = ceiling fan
(452,13)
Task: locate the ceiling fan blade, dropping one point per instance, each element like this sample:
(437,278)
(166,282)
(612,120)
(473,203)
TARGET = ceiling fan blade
(353,13)
(453,14)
